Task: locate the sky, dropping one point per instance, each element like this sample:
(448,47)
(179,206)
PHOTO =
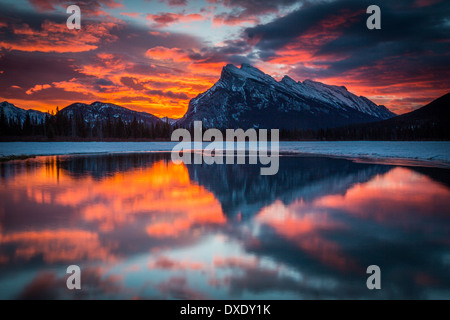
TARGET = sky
(156,55)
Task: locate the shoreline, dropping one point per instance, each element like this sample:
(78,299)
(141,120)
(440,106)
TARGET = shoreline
(430,153)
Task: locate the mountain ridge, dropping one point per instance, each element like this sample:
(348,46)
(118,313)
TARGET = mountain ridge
(247,97)
(18,114)
(101,111)
(430,122)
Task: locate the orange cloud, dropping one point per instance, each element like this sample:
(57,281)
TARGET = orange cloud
(162,53)
(164,92)
(37,88)
(56,37)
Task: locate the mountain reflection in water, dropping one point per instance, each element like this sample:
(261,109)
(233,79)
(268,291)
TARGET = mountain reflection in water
(140,226)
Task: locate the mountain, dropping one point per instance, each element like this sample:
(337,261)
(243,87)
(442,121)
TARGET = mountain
(246,97)
(437,111)
(99,111)
(431,122)
(12,112)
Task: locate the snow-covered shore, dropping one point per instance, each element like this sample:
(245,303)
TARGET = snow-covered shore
(429,151)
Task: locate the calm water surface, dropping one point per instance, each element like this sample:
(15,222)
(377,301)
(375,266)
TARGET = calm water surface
(140,226)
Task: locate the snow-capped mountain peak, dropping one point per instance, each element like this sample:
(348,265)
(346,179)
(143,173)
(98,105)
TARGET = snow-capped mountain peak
(231,73)
(12,112)
(288,81)
(340,97)
(247,97)
(99,111)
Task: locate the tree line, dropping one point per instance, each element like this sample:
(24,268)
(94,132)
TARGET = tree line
(402,131)
(58,125)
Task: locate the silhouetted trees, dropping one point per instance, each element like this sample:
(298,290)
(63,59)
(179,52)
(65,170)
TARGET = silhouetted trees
(59,125)
(425,130)
(74,127)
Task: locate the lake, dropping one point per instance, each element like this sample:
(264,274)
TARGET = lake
(142,227)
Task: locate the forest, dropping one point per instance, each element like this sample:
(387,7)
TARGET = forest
(58,126)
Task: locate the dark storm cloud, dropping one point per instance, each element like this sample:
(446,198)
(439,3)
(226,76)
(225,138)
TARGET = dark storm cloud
(218,55)
(26,69)
(233,51)
(168,94)
(409,35)
(134,41)
(132,83)
(104,82)
(256,6)
(248,10)
(23,70)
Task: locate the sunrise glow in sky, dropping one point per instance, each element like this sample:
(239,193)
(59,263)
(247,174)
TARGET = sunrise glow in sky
(156,55)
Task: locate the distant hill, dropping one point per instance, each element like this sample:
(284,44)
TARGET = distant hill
(99,111)
(12,112)
(96,121)
(431,122)
(436,112)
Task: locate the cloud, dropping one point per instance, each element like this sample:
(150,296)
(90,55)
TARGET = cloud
(52,36)
(27,70)
(165,263)
(164,19)
(132,83)
(130,14)
(175,3)
(162,53)
(248,11)
(255,7)
(37,88)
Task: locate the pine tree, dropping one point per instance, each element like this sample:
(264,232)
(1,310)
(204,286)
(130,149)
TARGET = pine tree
(4,125)
(27,128)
